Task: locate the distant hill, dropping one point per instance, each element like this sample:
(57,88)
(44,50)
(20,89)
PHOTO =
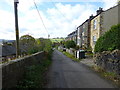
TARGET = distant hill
(56,40)
(1,40)
(9,41)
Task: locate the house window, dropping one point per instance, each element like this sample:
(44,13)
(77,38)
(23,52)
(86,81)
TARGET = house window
(83,34)
(78,31)
(83,26)
(94,39)
(95,24)
(78,41)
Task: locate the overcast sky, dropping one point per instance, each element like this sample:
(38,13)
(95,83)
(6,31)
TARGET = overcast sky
(60,17)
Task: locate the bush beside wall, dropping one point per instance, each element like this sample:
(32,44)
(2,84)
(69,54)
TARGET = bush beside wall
(109,41)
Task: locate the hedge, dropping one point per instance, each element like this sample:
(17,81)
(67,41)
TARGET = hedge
(70,44)
(109,41)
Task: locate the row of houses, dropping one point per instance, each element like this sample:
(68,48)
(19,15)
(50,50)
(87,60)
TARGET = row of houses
(86,35)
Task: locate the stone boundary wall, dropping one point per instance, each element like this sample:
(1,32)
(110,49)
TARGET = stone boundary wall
(13,71)
(109,61)
(71,51)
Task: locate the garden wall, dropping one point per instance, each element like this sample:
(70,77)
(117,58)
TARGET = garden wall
(13,71)
(109,61)
(71,51)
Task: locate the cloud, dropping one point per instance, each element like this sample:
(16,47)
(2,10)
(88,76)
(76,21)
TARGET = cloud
(6,24)
(109,3)
(29,22)
(60,20)
(71,17)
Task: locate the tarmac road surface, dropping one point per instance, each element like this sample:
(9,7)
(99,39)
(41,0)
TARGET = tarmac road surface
(65,73)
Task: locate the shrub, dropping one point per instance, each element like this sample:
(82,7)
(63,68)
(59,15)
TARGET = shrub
(48,45)
(70,44)
(30,45)
(110,40)
(27,44)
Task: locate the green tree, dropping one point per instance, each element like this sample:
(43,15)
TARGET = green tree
(30,45)
(45,44)
(110,40)
(48,45)
(70,44)
(27,44)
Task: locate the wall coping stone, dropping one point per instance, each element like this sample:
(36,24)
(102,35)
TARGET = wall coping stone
(18,59)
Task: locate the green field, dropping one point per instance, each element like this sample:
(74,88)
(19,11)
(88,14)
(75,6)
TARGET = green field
(56,40)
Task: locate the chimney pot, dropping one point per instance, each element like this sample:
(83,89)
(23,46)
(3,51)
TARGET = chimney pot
(100,10)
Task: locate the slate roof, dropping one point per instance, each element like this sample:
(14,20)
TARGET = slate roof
(7,50)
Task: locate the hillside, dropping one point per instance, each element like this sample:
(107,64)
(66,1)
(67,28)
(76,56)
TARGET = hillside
(56,40)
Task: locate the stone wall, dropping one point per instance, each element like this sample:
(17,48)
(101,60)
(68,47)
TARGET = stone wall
(13,71)
(109,61)
(71,51)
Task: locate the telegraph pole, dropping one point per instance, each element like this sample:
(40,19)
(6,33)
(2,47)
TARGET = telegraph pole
(16,27)
(48,36)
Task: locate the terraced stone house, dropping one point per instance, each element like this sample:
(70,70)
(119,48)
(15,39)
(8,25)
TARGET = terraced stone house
(83,34)
(102,22)
(89,31)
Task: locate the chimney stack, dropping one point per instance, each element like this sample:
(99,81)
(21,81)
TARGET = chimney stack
(91,16)
(100,10)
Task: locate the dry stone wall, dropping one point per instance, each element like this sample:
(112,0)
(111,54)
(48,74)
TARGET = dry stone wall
(109,61)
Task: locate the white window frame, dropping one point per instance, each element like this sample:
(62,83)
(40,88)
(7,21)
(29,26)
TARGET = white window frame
(94,39)
(95,24)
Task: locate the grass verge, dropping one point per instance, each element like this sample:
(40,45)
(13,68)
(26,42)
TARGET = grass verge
(35,76)
(89,54)
(108,75)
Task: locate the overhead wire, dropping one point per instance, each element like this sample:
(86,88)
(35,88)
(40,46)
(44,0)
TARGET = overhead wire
(40,17)
(60,11)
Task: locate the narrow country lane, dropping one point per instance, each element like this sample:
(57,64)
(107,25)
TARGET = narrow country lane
(65,73)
